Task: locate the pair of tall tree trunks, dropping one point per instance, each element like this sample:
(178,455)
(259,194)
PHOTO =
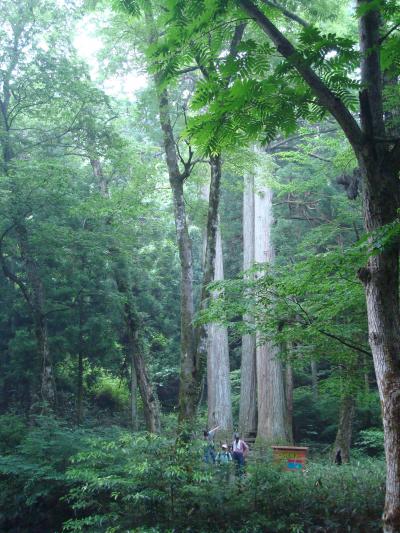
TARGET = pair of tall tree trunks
(263,400)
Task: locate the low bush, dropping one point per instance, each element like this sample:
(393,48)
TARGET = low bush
(72,480)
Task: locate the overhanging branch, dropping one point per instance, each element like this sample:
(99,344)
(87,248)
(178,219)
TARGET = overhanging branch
(326,97)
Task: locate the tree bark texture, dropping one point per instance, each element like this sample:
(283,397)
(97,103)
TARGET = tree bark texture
(150,402)
(218,378)
(248,376)
(188,381)
(272,408)
(345,426)
(134,413)
(381,197)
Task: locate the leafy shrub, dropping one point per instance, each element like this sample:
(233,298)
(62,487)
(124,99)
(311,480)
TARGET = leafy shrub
(136,483)
(12,430)
(110,393)
(370,441)
(32,479)
(62,479)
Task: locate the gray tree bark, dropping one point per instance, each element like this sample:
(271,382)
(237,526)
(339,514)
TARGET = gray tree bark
(272,408)
(345,426)
(218,378)
(248,375)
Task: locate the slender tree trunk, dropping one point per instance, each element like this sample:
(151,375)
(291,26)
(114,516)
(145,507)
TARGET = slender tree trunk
(218,377)
(188,382)
(272,409)
(289,399)
(344,431)
(149,397)
(79,403)
(37,302)
(134,387)
(314,379)
(248,379)
(150,402)
(193,341)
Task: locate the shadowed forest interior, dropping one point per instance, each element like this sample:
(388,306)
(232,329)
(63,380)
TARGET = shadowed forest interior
(199,266)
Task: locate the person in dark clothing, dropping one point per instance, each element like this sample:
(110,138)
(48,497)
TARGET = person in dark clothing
(338,457)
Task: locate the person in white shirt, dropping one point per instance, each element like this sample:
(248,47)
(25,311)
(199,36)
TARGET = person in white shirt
(239,452)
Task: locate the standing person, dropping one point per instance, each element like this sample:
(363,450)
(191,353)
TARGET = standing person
(209,449)
(239,452)
(224,461)
(224,456)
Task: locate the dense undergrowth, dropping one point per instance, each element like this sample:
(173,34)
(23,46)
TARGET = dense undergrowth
(54,478)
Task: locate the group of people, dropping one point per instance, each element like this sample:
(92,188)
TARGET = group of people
(236,452)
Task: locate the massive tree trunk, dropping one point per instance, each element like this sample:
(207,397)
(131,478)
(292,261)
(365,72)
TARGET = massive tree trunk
(218,378)
(272,408)
(380,171)
(248,380)
(344,431)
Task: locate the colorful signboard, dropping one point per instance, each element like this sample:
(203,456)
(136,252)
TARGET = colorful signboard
(295,457)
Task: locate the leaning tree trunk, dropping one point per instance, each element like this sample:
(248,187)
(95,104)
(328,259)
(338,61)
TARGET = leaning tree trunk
(248,379)
(151,406)
(218,378)
(150,402)
(345,426)
(272,409)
